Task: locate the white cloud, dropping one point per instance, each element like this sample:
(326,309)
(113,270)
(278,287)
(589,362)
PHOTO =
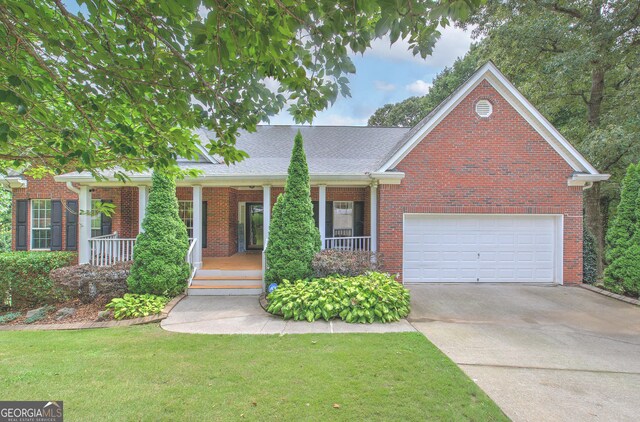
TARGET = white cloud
(419,87)
(339,120)
(384,86)
(453,43)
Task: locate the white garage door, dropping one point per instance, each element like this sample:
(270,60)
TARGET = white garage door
(481,248)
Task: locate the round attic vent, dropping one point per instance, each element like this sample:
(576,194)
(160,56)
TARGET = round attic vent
(484,108)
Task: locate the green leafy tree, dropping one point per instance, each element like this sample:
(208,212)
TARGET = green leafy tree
(5,220)
(96,84)
(159,265)
(623,236)
(294,238)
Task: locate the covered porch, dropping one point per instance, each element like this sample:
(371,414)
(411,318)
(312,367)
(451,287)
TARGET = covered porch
(225,221)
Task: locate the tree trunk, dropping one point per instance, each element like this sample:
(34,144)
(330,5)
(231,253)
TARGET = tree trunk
(596,216)
(596,96)
(595,205)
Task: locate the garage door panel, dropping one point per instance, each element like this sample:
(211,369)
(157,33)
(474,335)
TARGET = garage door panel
(485,248)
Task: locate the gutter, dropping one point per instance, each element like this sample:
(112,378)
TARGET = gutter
(586,180)
(241,180)
(13,182)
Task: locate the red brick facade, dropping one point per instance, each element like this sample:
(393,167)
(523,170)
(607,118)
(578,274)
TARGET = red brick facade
(222,208)
(494,165)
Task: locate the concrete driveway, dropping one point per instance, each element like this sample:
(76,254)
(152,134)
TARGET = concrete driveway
(541,353)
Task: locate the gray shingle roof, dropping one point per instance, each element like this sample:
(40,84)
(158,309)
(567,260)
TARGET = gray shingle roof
(329,149)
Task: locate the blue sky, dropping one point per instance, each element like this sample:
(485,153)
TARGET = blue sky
(388,74)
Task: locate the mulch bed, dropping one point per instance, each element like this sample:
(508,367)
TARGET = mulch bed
(86,317)
(85,312)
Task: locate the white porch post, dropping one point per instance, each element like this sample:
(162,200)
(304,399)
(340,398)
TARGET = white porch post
(197,226)
(266,214)
(374,216)
(322,211)
(84,252)
(143,199)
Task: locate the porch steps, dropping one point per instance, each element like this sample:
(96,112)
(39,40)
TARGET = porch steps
(226,283)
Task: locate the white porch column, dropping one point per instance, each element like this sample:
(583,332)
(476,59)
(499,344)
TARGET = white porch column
(197,226)
(266,214)
(84,220)
(143,200)
(322,211)
(374,216)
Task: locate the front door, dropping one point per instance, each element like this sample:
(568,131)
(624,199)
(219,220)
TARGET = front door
(254,232)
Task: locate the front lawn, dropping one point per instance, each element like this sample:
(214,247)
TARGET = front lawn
(145,373)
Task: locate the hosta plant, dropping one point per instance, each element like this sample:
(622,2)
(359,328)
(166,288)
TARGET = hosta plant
(373,297)
(135,306)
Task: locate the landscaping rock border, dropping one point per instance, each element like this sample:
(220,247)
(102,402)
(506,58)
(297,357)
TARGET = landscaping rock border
(95,324)
(611,294)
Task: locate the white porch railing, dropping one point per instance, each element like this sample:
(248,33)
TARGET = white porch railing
(353,243)
(110,249)
(189,259)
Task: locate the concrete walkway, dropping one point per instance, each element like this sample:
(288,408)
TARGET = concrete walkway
(243,315)
(541,353)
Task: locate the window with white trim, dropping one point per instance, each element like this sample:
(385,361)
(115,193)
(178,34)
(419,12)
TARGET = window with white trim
(40,224)
(343,218)
(185,211)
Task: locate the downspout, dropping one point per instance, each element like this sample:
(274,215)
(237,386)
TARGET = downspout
(588,185)
(73,188)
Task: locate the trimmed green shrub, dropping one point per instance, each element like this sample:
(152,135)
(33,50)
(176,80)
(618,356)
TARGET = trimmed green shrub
(40,315)
(345,263)
(135,306)
(589,257)
(627,271)
(293,237)
(159,265)
(361,299)
(623,225)
(11,316)
(622,275)
(24,278)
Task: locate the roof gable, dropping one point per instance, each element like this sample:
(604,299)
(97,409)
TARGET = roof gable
(499,82)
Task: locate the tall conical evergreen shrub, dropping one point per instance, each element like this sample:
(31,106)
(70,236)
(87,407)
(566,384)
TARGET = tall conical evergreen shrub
(293,237)
(159,265)
(623,237)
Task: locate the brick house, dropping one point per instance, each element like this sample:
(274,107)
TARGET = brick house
(483,189)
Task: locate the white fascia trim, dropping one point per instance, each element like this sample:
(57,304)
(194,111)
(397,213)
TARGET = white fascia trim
(243,180)
(204,139)
(491,73)
(585,179)
(208,156)
(10,182)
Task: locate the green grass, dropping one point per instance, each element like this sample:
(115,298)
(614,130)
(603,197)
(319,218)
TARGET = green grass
(145,373)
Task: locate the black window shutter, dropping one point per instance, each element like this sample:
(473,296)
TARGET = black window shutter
(71,229)
(56,225)
(328,224)
(358,218)
(105,222)
(21,224)
(204,224)
(316,213)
